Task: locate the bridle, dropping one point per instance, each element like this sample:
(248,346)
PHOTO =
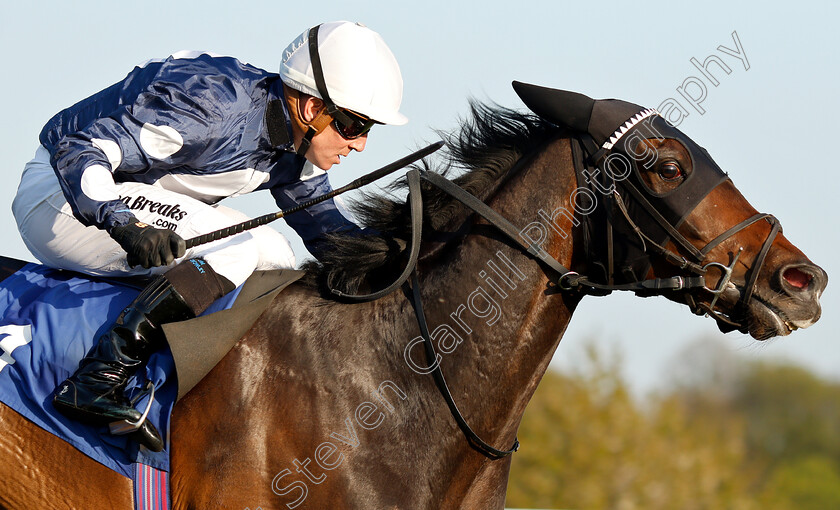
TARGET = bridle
(690,259)
(567,280)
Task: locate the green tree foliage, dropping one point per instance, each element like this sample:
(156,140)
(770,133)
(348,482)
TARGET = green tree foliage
(790,414)
(808,482)
(731,434)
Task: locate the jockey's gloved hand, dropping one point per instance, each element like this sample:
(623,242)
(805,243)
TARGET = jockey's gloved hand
(148,246)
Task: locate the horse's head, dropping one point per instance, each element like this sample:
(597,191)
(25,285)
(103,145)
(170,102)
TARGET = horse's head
(670,210)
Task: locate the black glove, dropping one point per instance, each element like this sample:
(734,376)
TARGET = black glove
(148,246)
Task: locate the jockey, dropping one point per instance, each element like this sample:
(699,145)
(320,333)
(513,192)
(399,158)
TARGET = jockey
(124,176)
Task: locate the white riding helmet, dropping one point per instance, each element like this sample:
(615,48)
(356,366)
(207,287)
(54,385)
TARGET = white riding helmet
(360,72)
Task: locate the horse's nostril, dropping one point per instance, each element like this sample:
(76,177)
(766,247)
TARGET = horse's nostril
(797,278)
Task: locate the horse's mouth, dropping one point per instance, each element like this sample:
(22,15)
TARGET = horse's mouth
(763,318)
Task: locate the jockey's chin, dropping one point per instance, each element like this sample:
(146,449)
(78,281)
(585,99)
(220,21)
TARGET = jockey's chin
(328,147)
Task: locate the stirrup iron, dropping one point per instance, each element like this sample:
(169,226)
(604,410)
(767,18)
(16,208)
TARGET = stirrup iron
(122,427)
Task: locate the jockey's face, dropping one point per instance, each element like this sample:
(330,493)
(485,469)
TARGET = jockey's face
(328,146)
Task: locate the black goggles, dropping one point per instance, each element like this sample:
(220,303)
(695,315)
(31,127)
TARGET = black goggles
(351,125)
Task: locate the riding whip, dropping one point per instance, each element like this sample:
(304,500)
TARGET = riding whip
(358,183)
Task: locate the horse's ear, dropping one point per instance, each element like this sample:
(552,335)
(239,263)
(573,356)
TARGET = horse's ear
(598,117)
(561,107)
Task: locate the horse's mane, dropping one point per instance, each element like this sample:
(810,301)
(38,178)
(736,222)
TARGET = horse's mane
(488,144)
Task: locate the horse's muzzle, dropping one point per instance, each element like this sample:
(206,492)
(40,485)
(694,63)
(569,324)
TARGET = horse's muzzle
(792,302)
(803,284)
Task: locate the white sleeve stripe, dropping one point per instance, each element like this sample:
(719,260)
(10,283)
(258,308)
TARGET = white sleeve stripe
(160,142)
(112,151)
(98,184)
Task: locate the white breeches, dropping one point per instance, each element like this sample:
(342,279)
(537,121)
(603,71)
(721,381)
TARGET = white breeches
(56,238)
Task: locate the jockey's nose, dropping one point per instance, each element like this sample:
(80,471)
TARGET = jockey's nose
(358,144)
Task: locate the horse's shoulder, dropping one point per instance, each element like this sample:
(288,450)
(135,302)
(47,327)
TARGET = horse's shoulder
(301,301)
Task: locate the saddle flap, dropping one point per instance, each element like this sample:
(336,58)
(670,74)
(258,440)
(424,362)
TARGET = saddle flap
(199,344)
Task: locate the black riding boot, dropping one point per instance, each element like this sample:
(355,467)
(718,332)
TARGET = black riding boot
(94,394)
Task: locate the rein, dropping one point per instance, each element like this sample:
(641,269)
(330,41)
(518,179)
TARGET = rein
(410,271)
(568,280)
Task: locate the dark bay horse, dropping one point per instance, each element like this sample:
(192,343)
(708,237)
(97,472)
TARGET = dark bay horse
(329,404)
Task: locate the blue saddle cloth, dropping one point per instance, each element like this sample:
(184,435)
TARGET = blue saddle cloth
(49,319)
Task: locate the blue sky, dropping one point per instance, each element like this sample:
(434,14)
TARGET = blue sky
(772,127)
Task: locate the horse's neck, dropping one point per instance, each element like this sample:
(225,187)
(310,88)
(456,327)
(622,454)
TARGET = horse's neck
(493,297)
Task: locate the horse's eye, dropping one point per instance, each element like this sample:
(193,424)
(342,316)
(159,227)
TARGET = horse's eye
(670,171)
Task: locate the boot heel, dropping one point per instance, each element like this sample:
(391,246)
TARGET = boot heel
(140,431)
(122,427)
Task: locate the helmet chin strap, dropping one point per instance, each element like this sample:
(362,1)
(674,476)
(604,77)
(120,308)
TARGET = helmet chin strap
(309,128)
(318,124)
